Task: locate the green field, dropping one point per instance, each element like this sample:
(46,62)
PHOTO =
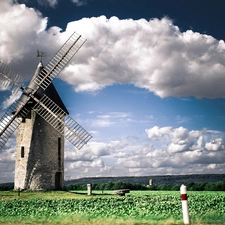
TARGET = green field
(137,207)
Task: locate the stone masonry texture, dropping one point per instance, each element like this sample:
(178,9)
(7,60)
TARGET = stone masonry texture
(39,155)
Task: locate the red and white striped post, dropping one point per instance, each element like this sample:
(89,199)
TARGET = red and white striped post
(183,192)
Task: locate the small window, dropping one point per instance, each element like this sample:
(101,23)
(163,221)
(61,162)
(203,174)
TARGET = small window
(23,120)
(59,152)
(22,152)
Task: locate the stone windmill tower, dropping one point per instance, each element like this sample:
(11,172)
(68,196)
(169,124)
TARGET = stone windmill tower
(42,122)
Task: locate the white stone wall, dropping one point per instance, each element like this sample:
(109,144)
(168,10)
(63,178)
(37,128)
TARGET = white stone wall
(38,168)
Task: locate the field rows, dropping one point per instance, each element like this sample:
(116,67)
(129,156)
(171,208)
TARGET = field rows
(142,206)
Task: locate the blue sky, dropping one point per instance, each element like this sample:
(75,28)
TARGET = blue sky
(148,84)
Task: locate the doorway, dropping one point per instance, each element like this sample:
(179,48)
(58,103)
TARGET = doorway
(58,181)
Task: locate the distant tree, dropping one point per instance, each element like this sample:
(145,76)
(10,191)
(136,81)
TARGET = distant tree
(176,187)
(6,187)
(190,185)
(153,187)
(218,186)
(118,185)
(109,186)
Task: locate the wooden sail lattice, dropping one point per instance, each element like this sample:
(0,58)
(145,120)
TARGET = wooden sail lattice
(62,122)
(60,60)
(45,107)
(9,79)
(9,123)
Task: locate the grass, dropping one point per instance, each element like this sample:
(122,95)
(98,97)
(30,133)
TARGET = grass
(7,195)
(83,221)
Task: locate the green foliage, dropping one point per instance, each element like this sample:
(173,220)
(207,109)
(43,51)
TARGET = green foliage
(6,187)
(147,205)
(108,186)
(191,186)
(206,186)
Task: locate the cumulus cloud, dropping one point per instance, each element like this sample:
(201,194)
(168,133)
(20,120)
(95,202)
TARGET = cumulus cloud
(154,55)
(174,151)
(181,152)
(20,27)
(179,139)
(215,145)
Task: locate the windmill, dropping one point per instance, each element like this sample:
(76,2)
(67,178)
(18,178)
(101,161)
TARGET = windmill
(41,121)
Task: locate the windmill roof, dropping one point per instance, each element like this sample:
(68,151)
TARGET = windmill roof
(52,93)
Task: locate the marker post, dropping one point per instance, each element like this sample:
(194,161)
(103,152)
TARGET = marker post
(183,192)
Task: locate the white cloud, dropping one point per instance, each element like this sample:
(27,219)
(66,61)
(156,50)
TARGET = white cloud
(215,145)
(154,54)
(179,139)
(9,101)
(149,54)
(156,133)
(189,155)
(20,35)
(123,157)
(88,152)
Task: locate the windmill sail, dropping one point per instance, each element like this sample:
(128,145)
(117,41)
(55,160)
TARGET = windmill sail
(62,122)
(9,122)
(42,78)
(42,121)
(59,60)
(9,79)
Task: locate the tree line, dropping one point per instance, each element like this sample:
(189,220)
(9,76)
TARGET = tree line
(191,186)
(107,186)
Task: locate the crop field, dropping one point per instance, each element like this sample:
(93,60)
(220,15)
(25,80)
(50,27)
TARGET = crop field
(137,207)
